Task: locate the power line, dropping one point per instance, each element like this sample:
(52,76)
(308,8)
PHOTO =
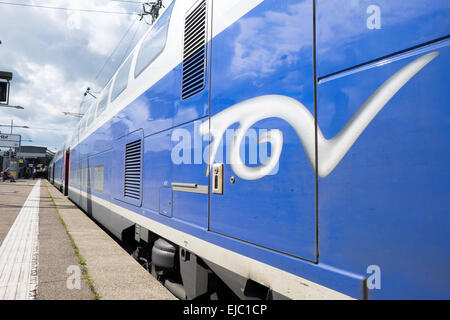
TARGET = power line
(66,9)
(115,49)
(130,1)
(129,45)
(52,129)
(154,12)
(119,43)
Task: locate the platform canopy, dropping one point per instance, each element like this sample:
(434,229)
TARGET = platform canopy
(29,152)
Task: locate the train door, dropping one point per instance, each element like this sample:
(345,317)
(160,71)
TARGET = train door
(175,184)
(263,177)
(53,174)
(66,172)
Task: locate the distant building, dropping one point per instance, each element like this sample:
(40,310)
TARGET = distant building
(26,156)
(31,152)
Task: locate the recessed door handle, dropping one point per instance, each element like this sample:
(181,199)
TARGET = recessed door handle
(217,178)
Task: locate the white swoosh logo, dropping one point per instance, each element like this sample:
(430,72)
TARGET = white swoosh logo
(330,151)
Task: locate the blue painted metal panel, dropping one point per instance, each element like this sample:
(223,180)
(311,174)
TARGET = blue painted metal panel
(159,108)
(165,201)
(351,33)
(269,51)
(170,157)
(58,170)
(387,202)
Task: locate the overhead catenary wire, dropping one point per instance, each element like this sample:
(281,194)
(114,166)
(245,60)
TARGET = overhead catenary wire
(92,11)
(131,42)
(115,49)
(126,1)
(46,129)
(81,105)
(117,46)
(66,9)
(138,3)
(129,45)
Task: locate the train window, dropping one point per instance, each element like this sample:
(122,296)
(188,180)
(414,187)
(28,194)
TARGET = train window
(82,178)
(104,100)
(74,177)
(85,122)
(82,124)
(154,43)
(121,82)
(99,178)
(91,114)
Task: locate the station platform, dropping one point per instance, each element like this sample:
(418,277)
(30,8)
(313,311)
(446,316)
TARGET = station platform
(51,250)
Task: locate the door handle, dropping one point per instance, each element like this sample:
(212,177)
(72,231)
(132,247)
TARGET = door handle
(189,187)
(217,178)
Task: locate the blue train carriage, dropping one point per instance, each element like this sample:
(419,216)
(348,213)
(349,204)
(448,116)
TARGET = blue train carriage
(56,170)
(277,149)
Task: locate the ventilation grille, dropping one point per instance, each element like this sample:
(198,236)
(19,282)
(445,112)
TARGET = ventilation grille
(133,159)
(194,56)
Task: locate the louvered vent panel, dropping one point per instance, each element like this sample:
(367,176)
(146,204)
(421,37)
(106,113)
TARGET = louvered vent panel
(194,56)
(133,158)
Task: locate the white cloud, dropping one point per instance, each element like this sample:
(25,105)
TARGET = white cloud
(54,55)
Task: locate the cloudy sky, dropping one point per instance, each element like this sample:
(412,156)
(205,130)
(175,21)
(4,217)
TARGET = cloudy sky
(55,55)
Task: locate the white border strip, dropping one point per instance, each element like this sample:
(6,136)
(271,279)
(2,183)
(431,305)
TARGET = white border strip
(285,283)
(19,250)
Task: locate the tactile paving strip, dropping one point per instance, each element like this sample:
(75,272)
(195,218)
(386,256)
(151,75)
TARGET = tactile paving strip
(18,252)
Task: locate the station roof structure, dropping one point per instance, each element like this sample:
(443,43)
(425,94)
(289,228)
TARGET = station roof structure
(30,152)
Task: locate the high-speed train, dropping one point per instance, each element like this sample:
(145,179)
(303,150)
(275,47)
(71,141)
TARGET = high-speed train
(277,149)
